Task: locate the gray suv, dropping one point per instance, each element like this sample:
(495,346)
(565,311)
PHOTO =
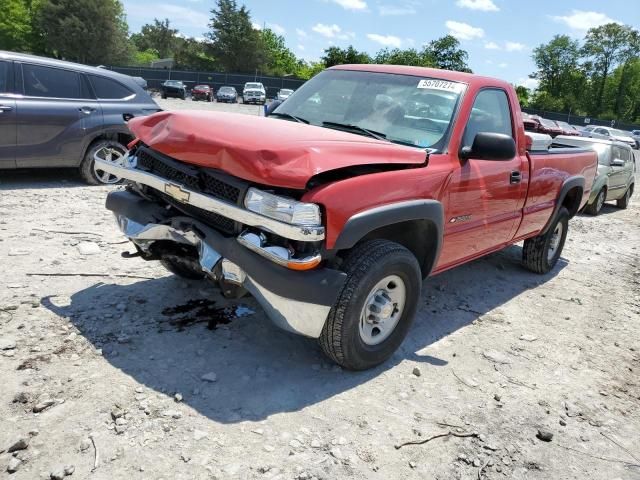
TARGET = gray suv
(61,114)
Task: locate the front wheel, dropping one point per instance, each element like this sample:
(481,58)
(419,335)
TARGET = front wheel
(595,207)
(108,150)
(540,254)
(376,306)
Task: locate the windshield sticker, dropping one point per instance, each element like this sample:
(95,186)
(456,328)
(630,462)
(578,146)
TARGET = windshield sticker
(442,85)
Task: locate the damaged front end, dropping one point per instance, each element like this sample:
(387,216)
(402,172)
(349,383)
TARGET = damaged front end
(269,246)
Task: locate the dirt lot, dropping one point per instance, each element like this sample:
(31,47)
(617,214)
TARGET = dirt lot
(170,381)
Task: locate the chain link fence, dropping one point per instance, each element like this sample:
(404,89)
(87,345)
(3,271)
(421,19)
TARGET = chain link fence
(580,120)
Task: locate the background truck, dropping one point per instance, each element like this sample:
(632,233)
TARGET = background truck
(333,210)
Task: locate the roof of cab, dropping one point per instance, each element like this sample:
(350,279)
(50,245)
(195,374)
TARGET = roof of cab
(468,78)
(4,55)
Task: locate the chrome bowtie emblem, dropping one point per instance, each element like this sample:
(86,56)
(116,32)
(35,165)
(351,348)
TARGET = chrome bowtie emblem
(177,192)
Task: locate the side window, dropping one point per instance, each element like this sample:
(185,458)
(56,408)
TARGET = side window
(4,77)
(624,154)
(108,89)
(490,113)
(602,131)
(50,82)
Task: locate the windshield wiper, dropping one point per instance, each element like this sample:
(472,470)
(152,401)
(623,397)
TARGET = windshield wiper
(289,116)
(357,129)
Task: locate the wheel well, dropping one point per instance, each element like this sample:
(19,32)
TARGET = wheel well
(420,237)
(572,199)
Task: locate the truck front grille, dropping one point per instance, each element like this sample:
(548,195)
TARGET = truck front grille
(198,179)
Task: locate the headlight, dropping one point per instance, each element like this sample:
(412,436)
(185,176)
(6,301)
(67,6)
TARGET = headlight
(283,209)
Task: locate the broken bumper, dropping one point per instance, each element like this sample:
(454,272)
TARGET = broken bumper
(297,301)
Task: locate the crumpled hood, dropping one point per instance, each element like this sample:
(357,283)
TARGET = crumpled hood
(269,151)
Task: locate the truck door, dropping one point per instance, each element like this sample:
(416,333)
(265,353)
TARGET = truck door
(50,117)
(7,117)
(485,197)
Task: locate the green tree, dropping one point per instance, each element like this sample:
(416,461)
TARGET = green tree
(605,46)
(236,45)
(554,62)
(191,54)
(445,53)
(158,36)
(86,31)
(338,56)
(397,56)
(15,26)
(280,60)
(523,95)
(144,58)
(306,70)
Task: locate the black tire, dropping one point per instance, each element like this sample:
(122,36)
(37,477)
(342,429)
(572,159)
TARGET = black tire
(366,265)
(164,97)
(535,253)
(624,201)
(183,267)
(87,171)
(595,207)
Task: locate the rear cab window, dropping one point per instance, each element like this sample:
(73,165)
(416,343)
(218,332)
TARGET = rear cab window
(490,114)
(43,81)
(109,89)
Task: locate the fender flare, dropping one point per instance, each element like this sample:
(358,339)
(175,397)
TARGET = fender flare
(569,183)
(367,221)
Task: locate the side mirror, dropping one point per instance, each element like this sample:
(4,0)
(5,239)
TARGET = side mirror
(617,162)
(271,107)
(490,146)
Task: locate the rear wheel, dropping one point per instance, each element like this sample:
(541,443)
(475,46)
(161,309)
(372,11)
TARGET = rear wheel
(108,150)
(540,254)
(624,201)
(595,207)
(376,306)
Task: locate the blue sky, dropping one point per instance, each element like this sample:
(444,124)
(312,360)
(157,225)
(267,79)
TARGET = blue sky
(498,34)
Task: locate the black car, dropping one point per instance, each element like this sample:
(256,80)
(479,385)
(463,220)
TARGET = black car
(173,88)
(57,114)
(227,94)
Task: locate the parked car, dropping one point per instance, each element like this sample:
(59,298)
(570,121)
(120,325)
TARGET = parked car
(202,92)
(254,92)
(546,126)
(173,88)
(57,114)
(567,129)
(283,94)
(331,213)
(615,180)
(227,95)
(635,134)
(608,133)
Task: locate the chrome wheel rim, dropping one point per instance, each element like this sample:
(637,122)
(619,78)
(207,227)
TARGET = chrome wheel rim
(108,154)
(382,310)
(600,200)
(554,243)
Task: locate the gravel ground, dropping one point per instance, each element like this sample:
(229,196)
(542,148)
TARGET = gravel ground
(114,369)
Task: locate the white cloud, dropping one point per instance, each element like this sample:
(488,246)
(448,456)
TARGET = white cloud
(463,31)
(352,4)
(332,31)
(301,47)
(385,40)
(301,33)
(396,10)
(256,26)
(483,5)
(491,46)
(530,83)
(514,46)
(180,16)
(582,21)
(503,65)
(279,29)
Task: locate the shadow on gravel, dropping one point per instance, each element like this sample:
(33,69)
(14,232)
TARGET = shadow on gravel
(40,178)
(261,370)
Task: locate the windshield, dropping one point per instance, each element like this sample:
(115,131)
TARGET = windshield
(226,90)
(403,108)
(253,85)
(173,83)
(201,87)
(286,92)
(548,123)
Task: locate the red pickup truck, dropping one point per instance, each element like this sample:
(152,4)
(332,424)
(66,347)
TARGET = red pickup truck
(333,209)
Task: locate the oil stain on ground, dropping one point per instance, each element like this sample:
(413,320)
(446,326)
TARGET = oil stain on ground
(203,310)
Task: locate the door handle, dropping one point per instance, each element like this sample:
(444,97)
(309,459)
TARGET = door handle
(515,177)
(5,108)
(87,110)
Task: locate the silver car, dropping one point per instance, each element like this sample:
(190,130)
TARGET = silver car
(608,133)
(615,179)
(60,114)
